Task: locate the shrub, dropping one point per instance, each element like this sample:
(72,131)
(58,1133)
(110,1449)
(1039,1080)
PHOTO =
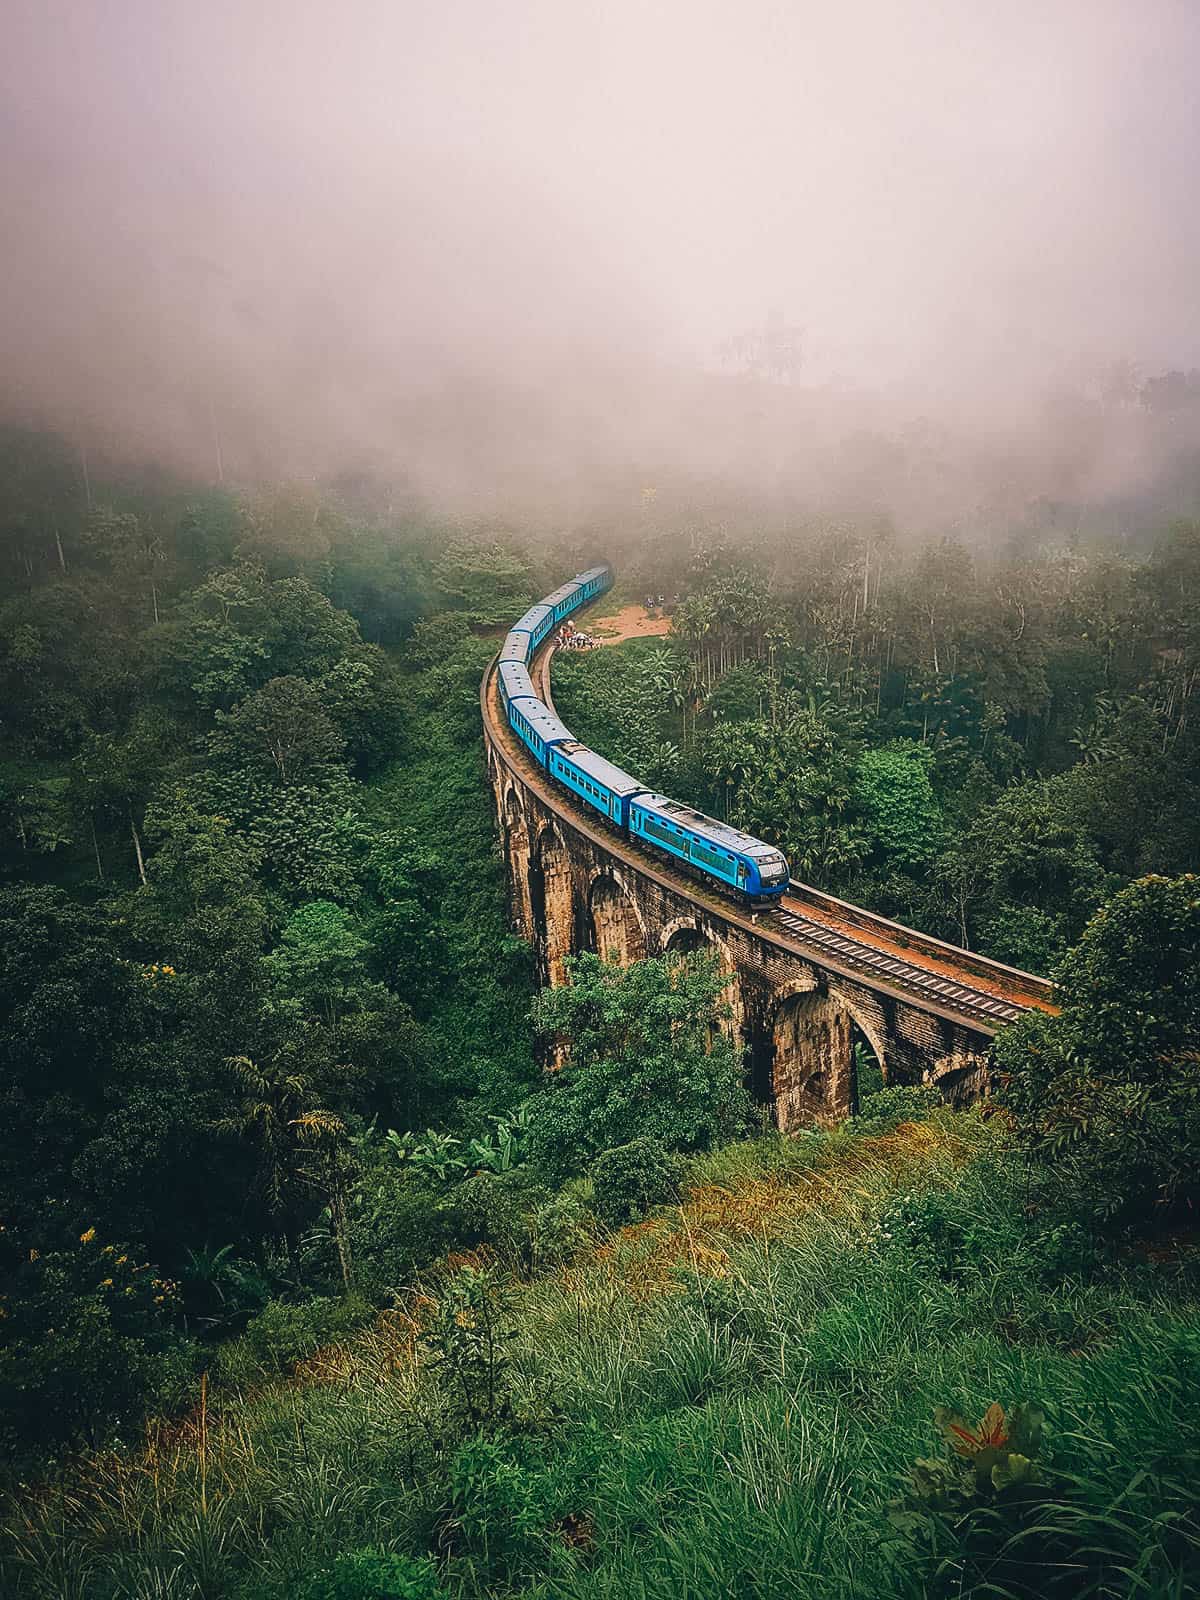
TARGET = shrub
(648,1057)
(559,1230)
(631,1178)
(86,1346)
(502,1507)
(1119,1518)
(282,1334)
(371,1575)
(466,1344)
(931,1225)
(887,1108)
(402,1222)
(972,1510)
(495,1209)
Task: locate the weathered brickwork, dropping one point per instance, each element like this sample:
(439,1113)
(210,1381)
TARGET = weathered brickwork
(795,1020)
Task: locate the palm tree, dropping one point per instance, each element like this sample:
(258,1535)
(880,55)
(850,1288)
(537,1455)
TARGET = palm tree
(328,1169)
(275,1101)
(210,1271)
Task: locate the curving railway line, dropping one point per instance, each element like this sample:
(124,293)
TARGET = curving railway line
(954,984)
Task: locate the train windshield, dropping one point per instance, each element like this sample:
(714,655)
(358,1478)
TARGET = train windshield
(774,870)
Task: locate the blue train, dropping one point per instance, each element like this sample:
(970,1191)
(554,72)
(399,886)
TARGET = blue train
(754,871)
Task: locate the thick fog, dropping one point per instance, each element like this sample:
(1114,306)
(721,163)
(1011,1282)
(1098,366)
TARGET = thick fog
(543,253)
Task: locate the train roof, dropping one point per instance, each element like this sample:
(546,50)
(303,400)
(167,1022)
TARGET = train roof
(532,617)
(518,642)
(688,817)
(517,680)
(561,594)
(543,721)
(593,572)
(605,772)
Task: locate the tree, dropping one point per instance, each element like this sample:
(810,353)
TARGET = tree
(113,776)
(41,502)
(284,722)
(486,578)
(1026,850)
(1131,987)
(791,785)
(130,546)
(238,629)
(327,1167)
(1107,1094)
(319,960)
(647,1057)
(67,1002)
(201,908)
(899,808)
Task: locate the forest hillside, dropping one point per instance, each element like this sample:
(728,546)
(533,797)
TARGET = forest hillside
(316,1283)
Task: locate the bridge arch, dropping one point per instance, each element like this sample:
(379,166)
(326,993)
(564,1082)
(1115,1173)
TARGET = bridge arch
(812,1031)
(961,1077)
(617,930)
(552,900)
(684,936)
(516,853)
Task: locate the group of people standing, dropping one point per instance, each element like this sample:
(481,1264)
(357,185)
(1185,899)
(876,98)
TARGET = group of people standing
(569,637)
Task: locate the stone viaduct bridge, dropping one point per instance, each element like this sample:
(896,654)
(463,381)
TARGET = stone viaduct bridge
(804,980)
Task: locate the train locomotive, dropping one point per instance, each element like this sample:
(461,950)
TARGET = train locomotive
(752,871)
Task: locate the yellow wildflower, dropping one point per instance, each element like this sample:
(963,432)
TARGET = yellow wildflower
(86,1238)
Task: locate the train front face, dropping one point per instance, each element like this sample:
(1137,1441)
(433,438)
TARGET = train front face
(766,876)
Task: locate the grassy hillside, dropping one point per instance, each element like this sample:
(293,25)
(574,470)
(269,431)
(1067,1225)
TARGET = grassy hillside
(719,1400)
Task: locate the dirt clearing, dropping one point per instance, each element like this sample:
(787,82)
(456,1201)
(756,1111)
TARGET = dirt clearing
(631,622)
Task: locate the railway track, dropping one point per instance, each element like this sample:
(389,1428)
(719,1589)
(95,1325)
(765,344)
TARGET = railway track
(876,950)
(869,959)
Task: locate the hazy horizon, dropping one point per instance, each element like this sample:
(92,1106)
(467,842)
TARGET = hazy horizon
(501,250)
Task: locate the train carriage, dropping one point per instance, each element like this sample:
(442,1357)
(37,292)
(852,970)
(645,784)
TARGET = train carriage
(515,650)
(594,581)
(515,682)
(565,600)
(719,851)
(597,782)
(536,622)
(538,729)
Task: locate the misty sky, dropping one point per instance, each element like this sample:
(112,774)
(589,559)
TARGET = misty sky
(292,217)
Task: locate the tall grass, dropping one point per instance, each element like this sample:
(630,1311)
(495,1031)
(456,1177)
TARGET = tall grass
(717,1401)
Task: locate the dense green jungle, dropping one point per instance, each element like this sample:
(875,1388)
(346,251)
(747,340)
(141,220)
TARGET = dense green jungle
(314,1283)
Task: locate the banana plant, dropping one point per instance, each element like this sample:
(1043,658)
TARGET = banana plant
(430,1152)
(508,1148)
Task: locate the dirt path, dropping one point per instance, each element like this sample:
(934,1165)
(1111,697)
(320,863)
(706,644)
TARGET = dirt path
(631,622)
